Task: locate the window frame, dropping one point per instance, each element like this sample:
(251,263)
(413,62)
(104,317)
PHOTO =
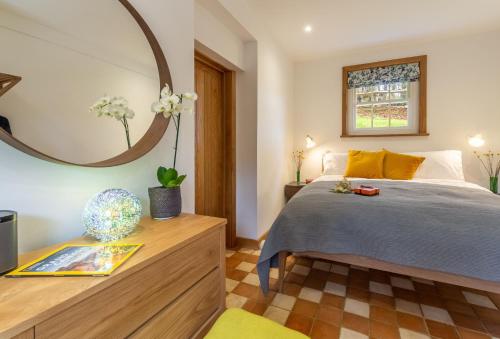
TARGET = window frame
(422,99)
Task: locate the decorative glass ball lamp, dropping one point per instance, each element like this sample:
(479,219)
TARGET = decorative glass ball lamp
(112,214)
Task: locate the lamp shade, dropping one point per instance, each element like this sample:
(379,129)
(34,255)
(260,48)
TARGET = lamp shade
(310,143)
(476,141)
(112,214)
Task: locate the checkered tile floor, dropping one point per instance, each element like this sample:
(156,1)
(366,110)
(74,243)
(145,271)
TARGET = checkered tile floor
(333,300)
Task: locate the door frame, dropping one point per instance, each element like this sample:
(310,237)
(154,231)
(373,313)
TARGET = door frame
(229,106)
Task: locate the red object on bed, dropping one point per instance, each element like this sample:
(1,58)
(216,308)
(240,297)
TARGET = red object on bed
(366,190)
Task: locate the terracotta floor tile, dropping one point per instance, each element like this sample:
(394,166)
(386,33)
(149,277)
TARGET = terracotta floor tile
(295,278)
(332,300)
(379,276)
(380,330)
(239,256)
(252,259)
(306,308)
(411,322)
(487,314)
(291,289)
(359,275)
(440,330)
(264,298)
(383,315)
(246,290)
(382,301)
(492,327)
(405,294)
(319,274)
(458,307)
(424,288)
(431,300)
(235,274)
(359,294)
(322,330)
(468,334)
(467,321)
(451,292)
(358,283)
(303,261)
(356,323)
(232,262)
(338,278)
(495,298)
(299,323)
(314,282)
(451,312)
(330,315)
(255,307)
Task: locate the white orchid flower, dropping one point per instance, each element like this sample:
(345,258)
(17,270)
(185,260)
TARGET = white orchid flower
(167,114)
(129,114)
(174,99)
(119,101)
(157,107)
(165,91)
(190,96)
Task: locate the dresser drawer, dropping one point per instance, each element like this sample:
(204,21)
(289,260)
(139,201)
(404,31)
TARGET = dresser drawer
(119,310)
(186,315)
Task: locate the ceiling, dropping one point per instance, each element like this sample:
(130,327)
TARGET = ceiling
(342,25)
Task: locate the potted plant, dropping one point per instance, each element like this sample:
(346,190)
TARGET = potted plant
(491,163)
(298,157)
(165,200)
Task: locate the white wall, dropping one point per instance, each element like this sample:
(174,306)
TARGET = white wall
(50,197)
(274,122)
(463,86)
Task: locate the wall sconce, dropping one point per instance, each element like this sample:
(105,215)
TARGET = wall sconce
(476,141)
(310,142)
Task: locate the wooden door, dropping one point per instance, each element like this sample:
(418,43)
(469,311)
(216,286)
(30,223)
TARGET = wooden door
(215,144)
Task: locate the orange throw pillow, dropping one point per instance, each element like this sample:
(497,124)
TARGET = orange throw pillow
(400,166)
(363,164)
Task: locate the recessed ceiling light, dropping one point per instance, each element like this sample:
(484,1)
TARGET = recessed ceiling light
(308,28)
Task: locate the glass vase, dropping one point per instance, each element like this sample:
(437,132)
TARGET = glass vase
(298,177)
(494,184)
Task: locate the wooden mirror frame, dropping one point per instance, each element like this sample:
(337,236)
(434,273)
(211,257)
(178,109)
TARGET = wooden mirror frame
(153,134)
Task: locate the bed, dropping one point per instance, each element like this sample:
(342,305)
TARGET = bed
(437,226)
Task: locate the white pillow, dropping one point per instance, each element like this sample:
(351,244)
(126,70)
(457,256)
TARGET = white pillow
(440,165)
(334,163)
(437,165)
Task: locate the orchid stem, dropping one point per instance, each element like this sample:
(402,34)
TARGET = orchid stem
(177,127)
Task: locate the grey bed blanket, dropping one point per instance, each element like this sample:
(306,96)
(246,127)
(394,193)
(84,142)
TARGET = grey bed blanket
(443,228)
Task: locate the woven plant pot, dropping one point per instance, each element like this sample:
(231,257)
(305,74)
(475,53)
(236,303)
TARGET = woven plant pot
(165,203)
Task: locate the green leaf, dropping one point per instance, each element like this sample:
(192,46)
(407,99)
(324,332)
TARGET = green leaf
(160,173)
(165,176)
(176,182)
(180,179)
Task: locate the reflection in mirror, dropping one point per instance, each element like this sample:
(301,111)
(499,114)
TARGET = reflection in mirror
(69,54)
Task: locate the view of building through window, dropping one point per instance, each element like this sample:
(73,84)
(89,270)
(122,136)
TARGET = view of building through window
(382,106)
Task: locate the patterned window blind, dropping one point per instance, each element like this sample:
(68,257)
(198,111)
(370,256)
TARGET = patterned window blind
(383,75)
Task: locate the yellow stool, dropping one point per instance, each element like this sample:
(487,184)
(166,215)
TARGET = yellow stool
(236,323)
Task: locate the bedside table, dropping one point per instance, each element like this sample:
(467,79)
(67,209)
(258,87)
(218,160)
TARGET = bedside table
(292,188)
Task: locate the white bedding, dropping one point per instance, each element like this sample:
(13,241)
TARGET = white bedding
(446,182)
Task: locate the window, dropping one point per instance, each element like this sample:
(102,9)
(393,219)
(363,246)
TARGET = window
(385,98)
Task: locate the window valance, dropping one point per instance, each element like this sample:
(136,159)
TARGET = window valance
(383,75)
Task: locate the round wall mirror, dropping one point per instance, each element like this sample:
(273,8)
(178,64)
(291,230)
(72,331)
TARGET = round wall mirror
(58,59)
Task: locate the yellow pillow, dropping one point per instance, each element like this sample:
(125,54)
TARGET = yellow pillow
(400,166)
(363,164)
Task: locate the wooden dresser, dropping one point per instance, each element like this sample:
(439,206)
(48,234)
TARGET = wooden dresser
(173,287)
